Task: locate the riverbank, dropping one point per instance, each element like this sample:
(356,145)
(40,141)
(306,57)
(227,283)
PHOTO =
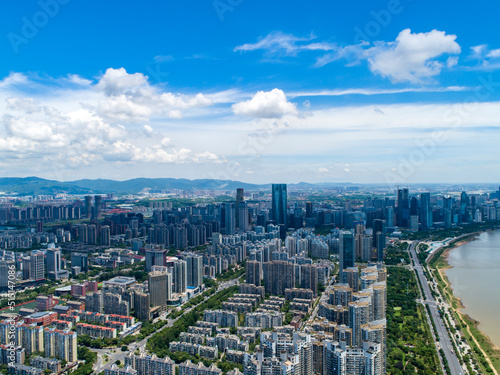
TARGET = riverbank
(485,351)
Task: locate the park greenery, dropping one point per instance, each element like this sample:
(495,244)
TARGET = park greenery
(159,342)
(409,341)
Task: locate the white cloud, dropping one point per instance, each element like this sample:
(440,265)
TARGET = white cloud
(487,59)
(26,105)
(284,44)
(412,57)
(270,104)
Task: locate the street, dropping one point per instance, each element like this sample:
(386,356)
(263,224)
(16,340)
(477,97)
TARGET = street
(444,338)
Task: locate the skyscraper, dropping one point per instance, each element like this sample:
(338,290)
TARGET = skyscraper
(403,209)
(88,206)
(80,260)
(97,206)
(105,235)
(242,217)
(229,219)
(180,276)
(37,265)
(279,204)
(194,270)
(379,238)
(346,252)
(157,286)
(240,197)
(425,211)
(53,261)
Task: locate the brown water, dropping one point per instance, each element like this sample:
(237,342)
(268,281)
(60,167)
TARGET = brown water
(475,279)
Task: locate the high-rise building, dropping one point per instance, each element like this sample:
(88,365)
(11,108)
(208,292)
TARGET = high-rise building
(309,277)
(142,306)
(97,206)
(229,218)
(105,235)
(157,286)
(309,210)
(80,260)
(278,276)
(5,266)
(346,251)
(92,234)
(425,211)
(240,197)
(403,209)
(60,344)
(94,302)
(253,272)
(53,261)
(279,204)
(37,265)
(88,206)
(242,217)
(194,264)
(379,238)
(180,276)
(156,255)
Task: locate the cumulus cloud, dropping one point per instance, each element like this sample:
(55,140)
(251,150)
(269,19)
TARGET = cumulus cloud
(266,104)
(84,123)
(412,57)
(131,98)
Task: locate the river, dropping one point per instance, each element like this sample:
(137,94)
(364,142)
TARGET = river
(475,279)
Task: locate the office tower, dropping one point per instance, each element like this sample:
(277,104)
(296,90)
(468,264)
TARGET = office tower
(253,272)
(142,306)
(229,219)
(425,211)
(379,238)
(39,226)
(242,217)
(180,276)
(92,234)
(94,302)
(278,276)
(157,287)
(309,210)
(98,206)
(194,264)
(346,251)
(60,344)
(156,255)
(309,277)
(389,216)
(80,260)
(88,206)
(279,204)
(37,265)
(403,209)
(240,197)
(53,261)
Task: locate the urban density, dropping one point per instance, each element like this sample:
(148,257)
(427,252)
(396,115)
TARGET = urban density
(249,187)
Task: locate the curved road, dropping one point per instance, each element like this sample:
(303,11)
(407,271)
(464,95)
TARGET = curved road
(444,338)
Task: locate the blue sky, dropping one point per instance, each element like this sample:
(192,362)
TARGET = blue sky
(367,91)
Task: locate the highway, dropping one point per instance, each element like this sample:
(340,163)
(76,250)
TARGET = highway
(444,338)
(120,356)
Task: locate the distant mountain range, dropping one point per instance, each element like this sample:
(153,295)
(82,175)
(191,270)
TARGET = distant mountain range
(40,186)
